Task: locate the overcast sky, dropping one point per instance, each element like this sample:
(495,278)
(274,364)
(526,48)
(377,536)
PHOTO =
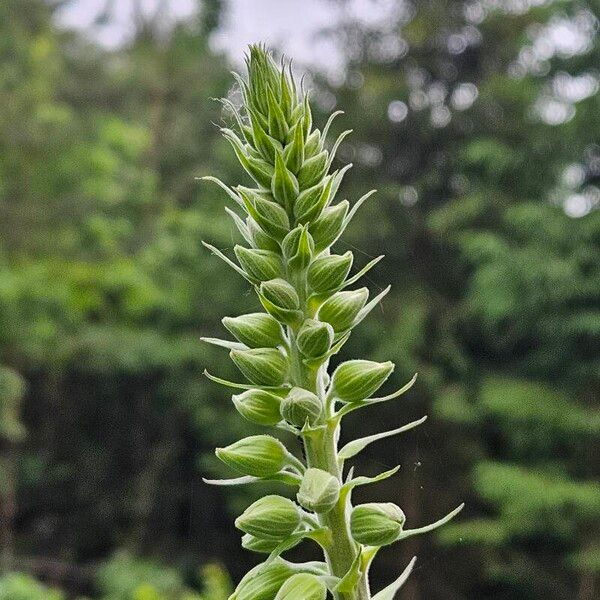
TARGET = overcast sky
(291,25)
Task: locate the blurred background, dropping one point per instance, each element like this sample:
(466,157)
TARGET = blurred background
(479,123)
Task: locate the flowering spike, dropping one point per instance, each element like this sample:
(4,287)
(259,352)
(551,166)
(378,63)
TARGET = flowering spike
(292,220)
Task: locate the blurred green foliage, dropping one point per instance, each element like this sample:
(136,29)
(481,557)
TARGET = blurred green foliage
(17,586)
(106,422)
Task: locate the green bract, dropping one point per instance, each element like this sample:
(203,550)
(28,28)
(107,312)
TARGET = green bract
(289,216)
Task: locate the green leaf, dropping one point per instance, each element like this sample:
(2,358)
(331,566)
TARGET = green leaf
(348,408)
(294,539)
(284,185)
(224,258)
(352,483)
(241,386)
(411,532)
(353,448)
(224,343)
(351,578)
(389,592)
(362,272)
(235,197)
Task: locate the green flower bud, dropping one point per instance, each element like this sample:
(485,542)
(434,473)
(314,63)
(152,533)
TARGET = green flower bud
(254,544)
(260,265)
(263,583)
(261,366)
(280,299)
(327,274)
(270,518)
(263,142)
(271,217)
(311,202)
(302,586)
(376,524)
(259,406)
(319,491)
(278,127)
(284,185)
(342,308)
(356,380)
(257,455)
(329,226)
(259,238)
(280,293)
(294,151)
(313,170)
(306,117)
(314,338)
(260,170)
(288,99)
(313,144)
(300,406)
(256,330)
(298,247)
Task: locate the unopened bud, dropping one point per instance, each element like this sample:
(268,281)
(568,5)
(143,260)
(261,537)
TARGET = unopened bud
(271,518)
(376,524)
(257,455)
(327,274)
(300,406)
(312,201)
(280,299)
(313,170)
(259,406)
(256,330)
(261,366)
(280,293)
(260,265)
(259,238)
(298,247)
(319,490)
(329,226)
(263,582)
(314,338)
(342,308)
(294,151)
(313,144)
(271,217)
(284,185)
(302,586)
(356,380)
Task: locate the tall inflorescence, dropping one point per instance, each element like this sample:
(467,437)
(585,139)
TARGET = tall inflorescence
(290,220)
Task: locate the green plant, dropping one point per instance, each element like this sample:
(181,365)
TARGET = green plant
(290,224)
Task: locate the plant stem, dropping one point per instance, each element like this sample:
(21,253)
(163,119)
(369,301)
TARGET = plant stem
(321,452)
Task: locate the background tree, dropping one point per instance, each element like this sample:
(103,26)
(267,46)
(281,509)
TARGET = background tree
(477,121)
(481,134)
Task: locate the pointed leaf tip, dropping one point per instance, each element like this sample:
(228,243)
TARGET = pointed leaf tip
(389,592)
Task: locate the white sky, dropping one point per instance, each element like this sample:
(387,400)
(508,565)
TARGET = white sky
(290,25)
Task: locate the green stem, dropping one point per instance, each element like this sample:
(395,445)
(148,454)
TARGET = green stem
(321,452)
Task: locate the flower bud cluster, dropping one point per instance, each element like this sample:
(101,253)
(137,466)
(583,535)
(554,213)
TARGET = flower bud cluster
(289,218)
